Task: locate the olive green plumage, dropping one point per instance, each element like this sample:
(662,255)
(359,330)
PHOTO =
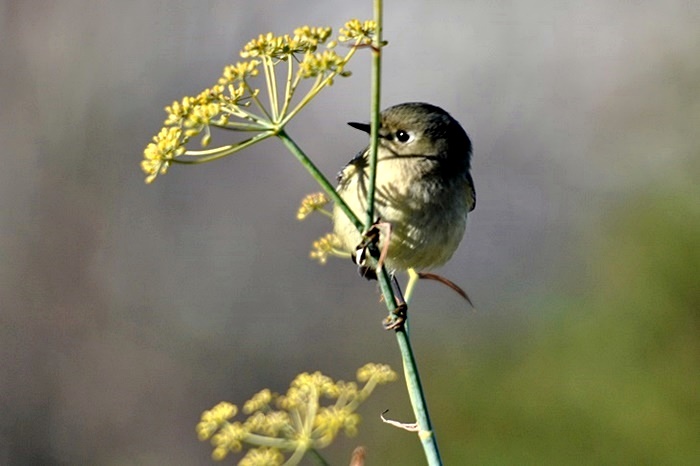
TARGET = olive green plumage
(424,189)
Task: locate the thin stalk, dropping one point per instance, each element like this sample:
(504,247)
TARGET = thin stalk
(209,155)
(316,88)
(374,111)
(265,441)
(275,97)
(321,460)
(413,383)
(269,68)
(238,112)
(289,87)
(318,176)
(417,397)
(239,126)
(254,97)
(233,126)
(296,457)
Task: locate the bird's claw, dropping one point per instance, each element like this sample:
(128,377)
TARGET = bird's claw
(367,272)
(397,318)
(370,240)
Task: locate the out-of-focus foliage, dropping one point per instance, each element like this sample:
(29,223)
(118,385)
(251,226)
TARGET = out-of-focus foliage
(309,416)
(614,378)
(125,310)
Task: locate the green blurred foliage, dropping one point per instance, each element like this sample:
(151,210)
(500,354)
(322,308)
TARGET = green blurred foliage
(605,367)
(610,376)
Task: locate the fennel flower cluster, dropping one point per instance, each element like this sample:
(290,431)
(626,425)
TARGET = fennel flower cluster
(281,428)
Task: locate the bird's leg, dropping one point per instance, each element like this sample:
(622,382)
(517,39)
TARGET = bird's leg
(413,278)
(367,272)
(397,319)
(370,242)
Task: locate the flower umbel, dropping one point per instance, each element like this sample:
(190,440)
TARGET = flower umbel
(358,31)
(314,202)
(321,64)
(326,246)
(293,423)
(234,102)
(159,154)
(329,244)
(213,419)
(263,456)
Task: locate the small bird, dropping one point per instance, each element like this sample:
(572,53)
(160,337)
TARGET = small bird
(423,190)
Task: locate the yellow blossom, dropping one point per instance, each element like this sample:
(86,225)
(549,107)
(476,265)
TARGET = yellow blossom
(332,420)
(309,38)
(328,245)
(214,418)
(239,71)
(234,102)
(229,438)
(159,154)
(259,401)
(381,373)
(303,421)
(311,203)
(262,456)
(200,117)
(358,30)
(321,63)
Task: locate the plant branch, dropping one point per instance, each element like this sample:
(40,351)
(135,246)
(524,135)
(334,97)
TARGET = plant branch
(413,383)
(254,97)
(267,68)
(318,176)
(289,87)
(320,83)
(209,155)
(374,112)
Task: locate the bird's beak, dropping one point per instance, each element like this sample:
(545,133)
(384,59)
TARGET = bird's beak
(361,126)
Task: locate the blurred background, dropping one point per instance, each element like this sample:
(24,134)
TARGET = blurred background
(126,310)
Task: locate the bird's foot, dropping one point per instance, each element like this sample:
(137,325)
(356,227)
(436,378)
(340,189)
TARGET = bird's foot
(370,242)
(397,319)
(367,272)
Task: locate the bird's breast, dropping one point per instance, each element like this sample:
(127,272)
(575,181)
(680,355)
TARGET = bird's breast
(427,211)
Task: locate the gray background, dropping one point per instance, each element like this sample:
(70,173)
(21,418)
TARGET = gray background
(128,309)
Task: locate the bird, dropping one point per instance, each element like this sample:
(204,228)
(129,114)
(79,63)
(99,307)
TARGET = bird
(424,189)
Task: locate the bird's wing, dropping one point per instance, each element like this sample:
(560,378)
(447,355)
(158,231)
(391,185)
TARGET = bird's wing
(471,192)
(356,163)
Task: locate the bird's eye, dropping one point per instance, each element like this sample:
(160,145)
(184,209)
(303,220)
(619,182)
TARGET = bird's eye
(403,136)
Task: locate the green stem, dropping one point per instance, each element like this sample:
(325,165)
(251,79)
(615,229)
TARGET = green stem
(318,176)
(413,383)
(254,97)
(296,457)
(374,112)
(269,77)
(209,155)
(275,97)
(241,127)
(320,459)
(320,83)
(265,441)
(289,88)
(237,126)
(417,397)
